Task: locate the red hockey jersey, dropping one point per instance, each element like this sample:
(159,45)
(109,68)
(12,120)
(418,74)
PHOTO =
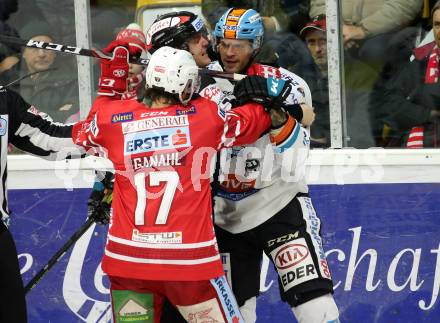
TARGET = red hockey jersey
(161,226)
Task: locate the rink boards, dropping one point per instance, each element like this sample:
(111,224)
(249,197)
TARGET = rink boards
(382,241)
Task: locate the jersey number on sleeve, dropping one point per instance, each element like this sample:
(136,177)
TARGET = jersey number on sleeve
(155,178)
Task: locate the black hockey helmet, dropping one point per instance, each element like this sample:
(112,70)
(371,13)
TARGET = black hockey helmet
(174,29)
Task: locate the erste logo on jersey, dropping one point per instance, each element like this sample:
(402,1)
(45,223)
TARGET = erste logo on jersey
(156,140)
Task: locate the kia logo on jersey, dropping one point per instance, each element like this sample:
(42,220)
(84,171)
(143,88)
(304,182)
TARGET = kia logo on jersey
(290,255)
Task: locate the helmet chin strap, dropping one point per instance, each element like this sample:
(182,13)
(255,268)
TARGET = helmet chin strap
(188,92)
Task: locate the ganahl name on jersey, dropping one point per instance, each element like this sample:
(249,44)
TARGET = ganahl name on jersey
(157,139)
(157,160)
(294,263)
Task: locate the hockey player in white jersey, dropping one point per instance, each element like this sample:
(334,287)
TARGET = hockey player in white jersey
(263,202)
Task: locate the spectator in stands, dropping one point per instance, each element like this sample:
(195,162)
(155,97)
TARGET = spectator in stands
(358,81)
(107,18)
(52,86)
(275,17)
(8,52)
(281,47)
(411,98)
(368,26)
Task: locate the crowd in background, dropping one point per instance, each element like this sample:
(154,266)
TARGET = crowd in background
(390,95)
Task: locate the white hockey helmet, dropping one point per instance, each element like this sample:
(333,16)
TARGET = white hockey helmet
(174,71)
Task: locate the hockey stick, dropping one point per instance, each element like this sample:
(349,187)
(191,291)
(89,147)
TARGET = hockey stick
(99,54)
(57,256)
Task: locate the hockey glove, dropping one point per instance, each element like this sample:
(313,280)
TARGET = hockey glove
(114,72)
(269,92)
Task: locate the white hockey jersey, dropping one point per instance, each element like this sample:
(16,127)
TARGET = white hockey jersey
(258,180)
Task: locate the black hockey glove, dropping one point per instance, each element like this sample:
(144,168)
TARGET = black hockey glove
(269,92)
(99,202)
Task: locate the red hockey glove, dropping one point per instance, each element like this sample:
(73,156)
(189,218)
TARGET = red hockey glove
(114,72)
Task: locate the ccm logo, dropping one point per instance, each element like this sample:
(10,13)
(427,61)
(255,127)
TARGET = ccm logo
(290,255)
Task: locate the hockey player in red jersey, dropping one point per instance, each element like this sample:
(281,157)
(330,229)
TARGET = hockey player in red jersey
(161,242)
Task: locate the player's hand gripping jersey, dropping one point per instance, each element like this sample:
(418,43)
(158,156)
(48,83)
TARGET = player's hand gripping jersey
(161,226)
(257,180)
